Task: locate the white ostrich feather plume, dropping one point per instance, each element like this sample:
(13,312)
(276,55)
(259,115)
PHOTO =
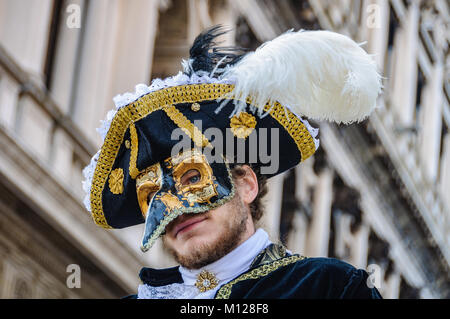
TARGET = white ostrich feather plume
(318,74)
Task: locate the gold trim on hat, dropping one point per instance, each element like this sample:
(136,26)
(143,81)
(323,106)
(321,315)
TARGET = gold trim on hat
(133,170)
(190,129)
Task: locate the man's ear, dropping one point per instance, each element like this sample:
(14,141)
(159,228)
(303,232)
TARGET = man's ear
(247,185)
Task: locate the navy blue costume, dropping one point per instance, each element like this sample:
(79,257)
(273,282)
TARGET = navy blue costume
(276,274)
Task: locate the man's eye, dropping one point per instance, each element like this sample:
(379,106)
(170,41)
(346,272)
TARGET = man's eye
(190,177)
(194,179)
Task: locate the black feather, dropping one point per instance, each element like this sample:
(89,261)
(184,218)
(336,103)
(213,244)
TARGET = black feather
(205,54)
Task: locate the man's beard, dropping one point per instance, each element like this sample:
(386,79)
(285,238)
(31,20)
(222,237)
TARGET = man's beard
(208,253)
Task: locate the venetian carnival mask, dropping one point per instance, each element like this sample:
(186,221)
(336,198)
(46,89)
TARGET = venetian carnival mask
(185,183)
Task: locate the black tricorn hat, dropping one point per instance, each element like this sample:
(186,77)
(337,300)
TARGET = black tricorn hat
(240,94)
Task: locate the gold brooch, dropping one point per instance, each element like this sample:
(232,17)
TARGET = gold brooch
(206,281)
(242,125)
(116,181)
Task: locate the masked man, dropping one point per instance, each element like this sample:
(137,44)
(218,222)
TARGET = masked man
(188,156)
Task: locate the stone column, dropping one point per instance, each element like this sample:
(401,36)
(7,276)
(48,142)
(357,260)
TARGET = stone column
(297,237)
(67,55)
(198,18)
(117,54)
(376,24)
(272,203)
(9,91)
(445,170)
(391,286)
(93,88)
(34,127)
(62,155)
(136,31)
(431,131)
(405,68)
(261,26)
(319,231)
(361,247)
(226,16)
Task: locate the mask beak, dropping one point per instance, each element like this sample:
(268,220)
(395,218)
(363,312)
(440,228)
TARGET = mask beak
(163,209)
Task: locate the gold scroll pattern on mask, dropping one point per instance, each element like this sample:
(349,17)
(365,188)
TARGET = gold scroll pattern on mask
(204,189)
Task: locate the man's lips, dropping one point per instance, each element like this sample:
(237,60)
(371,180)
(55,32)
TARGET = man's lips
(189,222)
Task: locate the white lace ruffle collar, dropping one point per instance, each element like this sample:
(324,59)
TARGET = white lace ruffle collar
(225,269)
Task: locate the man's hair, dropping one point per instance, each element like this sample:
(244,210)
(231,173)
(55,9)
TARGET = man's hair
(256,207)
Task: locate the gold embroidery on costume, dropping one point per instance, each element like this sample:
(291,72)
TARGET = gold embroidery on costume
(268,255)
(206,281)
(116,181)
(148,183)
(161,100)
(261,271)
(242,125)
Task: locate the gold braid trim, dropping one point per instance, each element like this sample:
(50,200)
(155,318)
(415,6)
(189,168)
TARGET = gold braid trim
(134,172)
(295,127)
(224,292)
(166,98)
(190,129)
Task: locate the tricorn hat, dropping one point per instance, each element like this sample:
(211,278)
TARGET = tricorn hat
(318,75)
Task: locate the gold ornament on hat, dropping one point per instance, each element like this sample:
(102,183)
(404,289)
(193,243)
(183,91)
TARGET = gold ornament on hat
(206,281)
(116,181)
(195,107)
(242,125)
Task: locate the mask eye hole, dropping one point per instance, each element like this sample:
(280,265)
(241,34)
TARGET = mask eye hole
(191,177)
(145,194)
(149,197)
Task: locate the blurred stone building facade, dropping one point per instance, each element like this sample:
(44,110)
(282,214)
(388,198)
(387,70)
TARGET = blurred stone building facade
(375,194)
